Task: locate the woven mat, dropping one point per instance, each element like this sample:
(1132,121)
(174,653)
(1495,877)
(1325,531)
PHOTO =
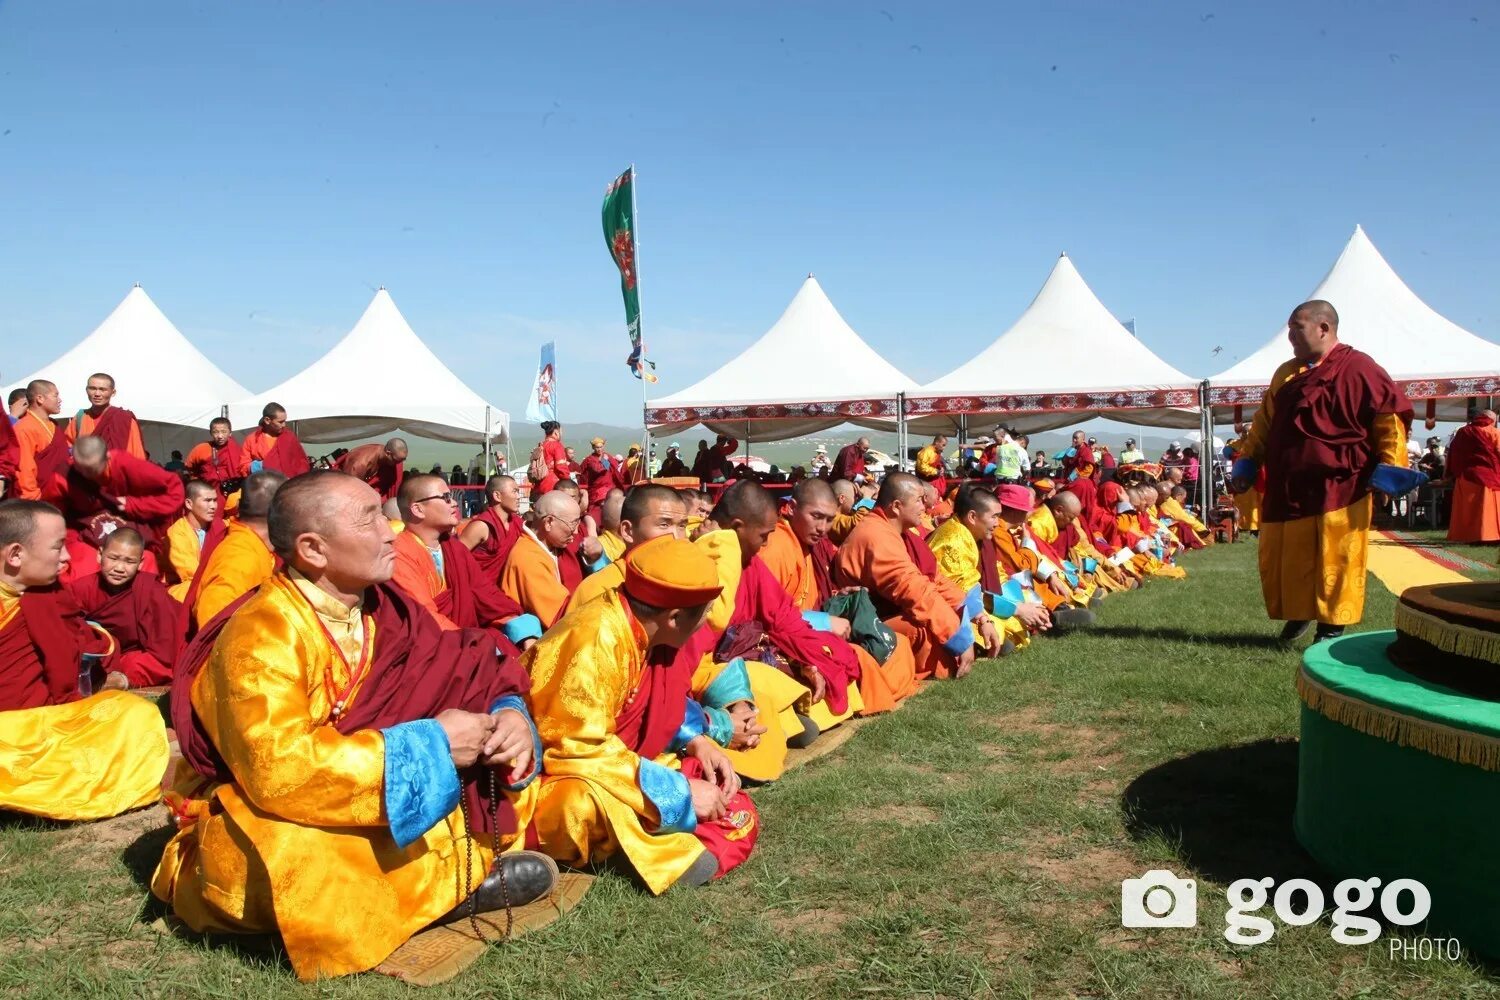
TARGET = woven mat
(437,955)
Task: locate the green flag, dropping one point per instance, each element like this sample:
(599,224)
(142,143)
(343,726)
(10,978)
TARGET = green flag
(619,236)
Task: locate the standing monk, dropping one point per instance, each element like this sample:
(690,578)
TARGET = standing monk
(849,463)
(103,488)
(1474,466)
(116,426)
(240,560)
(135,609)
(186,537)
(492,533)
(43,440)
(381,466)
(598,475)
(931,466)
(1332,426)
(273,446)
(554,457)
(10,456)
(61,755)
(217,460)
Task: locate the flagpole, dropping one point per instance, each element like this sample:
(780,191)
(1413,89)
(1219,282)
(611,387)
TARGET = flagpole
(635,234)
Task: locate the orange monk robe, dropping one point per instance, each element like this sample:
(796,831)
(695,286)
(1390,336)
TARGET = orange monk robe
(459,595)
(923,605)
(882,686)
(236,566)
(1474,465)
(43,453)
(1045,537)
(531,577)
(1015,557)
(1193,534)
(279,452)
(119,428)
(184,545)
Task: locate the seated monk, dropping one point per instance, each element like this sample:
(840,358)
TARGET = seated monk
(1044,535)
(273,446)
(381,466)
(884,555)
(434,567)
(62,755)
(609,524)
(630,777)
(964,547)
(349,767)
(118,427)
(217,460)
(533,574)
(185,538)
(1159,545)
(240,560)
(1191,532)
(585,553)
(135,609)
(41,439)
(492,533)
(1022,560)
(1099,528)
(103,489)
(799,555)
(852,507)
(1070,537)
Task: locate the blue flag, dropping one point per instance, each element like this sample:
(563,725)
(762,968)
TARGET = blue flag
(543,402)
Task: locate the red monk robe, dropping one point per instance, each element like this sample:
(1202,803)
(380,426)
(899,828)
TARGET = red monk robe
(152,499)
(1474,465)
(462,597)
(144,621)
(118,427)
(10,456)
(215,466)
(598,474)
(281,453)
(44,453)
(555,459)
(369,463)
(495,549)
(40,647)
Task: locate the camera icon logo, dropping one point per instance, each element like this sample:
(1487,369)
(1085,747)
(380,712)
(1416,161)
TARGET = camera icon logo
(1158,899)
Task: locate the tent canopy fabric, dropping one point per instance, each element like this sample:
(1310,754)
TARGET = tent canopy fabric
(158,373)
(1065,357)
(1429,355)
(808,372)
(380,378)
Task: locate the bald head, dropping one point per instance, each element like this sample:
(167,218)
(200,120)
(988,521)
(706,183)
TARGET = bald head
(1065,507)
(974,499)
(309,503)
(197,489)
(37,388)
(897,487)
(395,449)
(747,502)
(609,511)
(257,492)
(414,491)
(650,511)
(1313,330)
(815,491)
(556,503)
(568,487)
(90,454)
(329,527)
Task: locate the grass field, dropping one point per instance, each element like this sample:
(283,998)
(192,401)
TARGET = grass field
(971,844)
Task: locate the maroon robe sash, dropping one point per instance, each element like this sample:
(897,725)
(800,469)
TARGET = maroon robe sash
(1474,454)
(288,457)
(759,598)
(418,670)
(493,551)
(823,556)
(218,529)
(10,452)
(41,650)
(113,425)
(52,461)
(990,580)
(221,466)
(471,599)
(648,722)
(1319,456)
(141,616)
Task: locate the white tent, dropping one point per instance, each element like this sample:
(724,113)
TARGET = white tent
(808,373)
(172,388)
(378,379)
(1065,359)
(1431,357)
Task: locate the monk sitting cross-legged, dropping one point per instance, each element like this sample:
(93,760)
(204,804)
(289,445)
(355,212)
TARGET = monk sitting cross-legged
(885,556)
(492,533)
(347,764)
(800,555)
(533,576)
(135,609)
(433,566)
(239,560)
(186,537)
(273,446)
(64,754)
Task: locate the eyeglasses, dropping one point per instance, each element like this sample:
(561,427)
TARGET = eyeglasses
(445,497)
(570,525)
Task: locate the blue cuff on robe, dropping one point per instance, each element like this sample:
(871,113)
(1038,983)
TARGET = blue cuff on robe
(599,563)
(1394,481)
(732,685)
(256,465)
(1245,468)
(821,621)
(693,725)
(1002,606)
(421,783)
(866,504)
(973,603)
(1090,564)
(668,791)
(989,470)
(720,725)
(961,641)
(1071,572)
(515,703)
(521,628)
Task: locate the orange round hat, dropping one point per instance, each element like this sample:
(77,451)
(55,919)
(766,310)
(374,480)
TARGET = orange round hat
(669,572)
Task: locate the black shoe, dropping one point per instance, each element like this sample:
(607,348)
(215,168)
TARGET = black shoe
(1326,632)
(804,739)
(1294,630)
(528,877)
(704,868)
(1064,619)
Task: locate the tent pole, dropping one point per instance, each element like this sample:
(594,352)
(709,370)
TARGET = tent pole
(900,428)
(1206,460)
(486,469)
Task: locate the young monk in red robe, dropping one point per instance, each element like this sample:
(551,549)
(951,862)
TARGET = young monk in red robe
(42,439)
(493,532)
(273,446)
(433,566)
(10,457)
(118,427)
(104,488)
(135,609)
(381,466)
(217,460)
(62,755)
(884,555)
(1474,466)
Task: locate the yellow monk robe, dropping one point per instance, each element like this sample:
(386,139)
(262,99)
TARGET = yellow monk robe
(1147,562)
(299,844)
(1248,504)
(592,802)
(1015,558)
(843,524)
(957,555)
(75,760)
(1043,525)
(184,546)
(1313,568)
(882,686)
(236,566)
(613,545)
(774,694)
(530,577)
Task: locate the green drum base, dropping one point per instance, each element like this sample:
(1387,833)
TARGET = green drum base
(1367,806)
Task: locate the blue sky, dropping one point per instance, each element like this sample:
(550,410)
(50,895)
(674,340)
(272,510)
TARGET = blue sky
(262,167)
